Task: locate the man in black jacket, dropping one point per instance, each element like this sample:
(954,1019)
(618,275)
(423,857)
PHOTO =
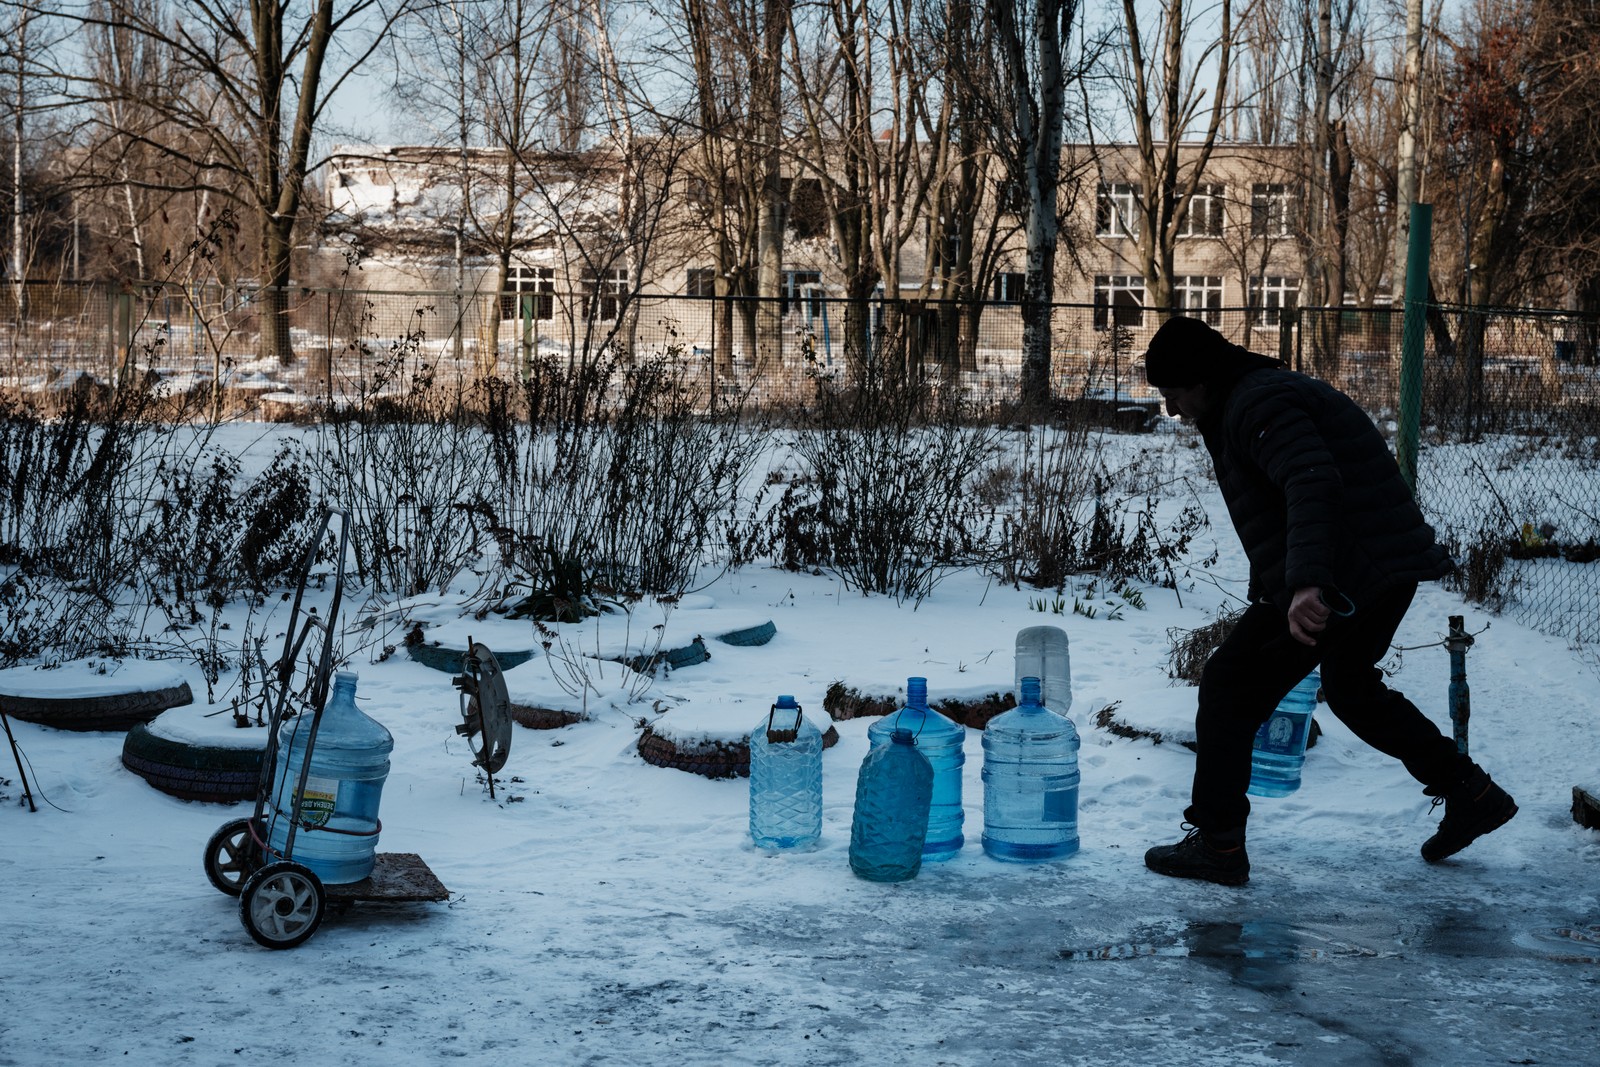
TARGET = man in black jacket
(1337,546)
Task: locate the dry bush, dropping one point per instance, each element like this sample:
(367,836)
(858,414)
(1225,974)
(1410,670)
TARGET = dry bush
(1191,648)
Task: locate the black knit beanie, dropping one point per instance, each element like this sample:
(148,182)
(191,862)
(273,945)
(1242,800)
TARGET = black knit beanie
(1187,352)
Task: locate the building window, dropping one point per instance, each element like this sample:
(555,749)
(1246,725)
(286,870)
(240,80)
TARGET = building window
(702,281)
(1271,296)
(1013,197)
(947,252)
(1201,296)
(806,208)
(604,292)
(529,293)
(1271,210)
(1119,299)
(1008,287)
(1116,210)
(1205,213)
(801,285)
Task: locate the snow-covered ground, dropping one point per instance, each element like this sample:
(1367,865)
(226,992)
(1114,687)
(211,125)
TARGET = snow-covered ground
(603,910)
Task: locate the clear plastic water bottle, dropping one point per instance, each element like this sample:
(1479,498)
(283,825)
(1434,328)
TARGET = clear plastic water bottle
(338,833)
(1280,749)
(893,793)
(941,741)
(785,779)
(1030,782)
(1042,654)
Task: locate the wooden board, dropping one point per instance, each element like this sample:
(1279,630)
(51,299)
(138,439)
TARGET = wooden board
(397,876)
(1585,808)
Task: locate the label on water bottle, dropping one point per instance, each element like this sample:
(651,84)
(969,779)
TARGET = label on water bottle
(1280,735)
(317,802)
(1061,805)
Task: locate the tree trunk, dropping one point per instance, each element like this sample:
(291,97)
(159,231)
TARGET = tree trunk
(769,250)
(276,245)
(19,263)
(1037,99)
(1406,150)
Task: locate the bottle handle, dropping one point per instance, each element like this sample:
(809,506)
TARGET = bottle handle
(776,736)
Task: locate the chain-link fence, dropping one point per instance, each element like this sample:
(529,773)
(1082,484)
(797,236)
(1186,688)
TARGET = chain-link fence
(1509,408)
(765,351)
(1508,465)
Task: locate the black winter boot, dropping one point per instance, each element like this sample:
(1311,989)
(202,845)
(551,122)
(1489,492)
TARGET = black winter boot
(1216,857)
(1473,806)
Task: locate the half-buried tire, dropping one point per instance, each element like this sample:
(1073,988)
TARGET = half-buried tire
(79,697)
(192,771)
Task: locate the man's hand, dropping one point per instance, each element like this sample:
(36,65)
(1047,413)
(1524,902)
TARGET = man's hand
(1308,615)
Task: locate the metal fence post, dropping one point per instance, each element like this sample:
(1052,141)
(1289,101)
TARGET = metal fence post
(1416,312)
(1457,643)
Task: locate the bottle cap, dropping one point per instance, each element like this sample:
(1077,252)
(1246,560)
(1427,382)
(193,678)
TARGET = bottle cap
(903,737)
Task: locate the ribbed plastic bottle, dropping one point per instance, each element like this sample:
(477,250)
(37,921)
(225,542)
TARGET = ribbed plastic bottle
(1042,654)
(785,779)
(1280,748)
(893,793)
(941,741)
(1030,782)
(338,833)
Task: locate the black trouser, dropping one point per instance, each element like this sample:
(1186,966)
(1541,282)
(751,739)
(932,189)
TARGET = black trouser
(1257,665)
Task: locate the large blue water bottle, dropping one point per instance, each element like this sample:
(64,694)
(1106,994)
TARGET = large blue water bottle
(1030,782)
(1280,749)
(785,779)
(337,836)
(941,741)
(893,793)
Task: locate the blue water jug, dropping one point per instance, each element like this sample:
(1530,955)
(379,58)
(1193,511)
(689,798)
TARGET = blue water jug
(940,740)
(1280,748)
(785,779)
(337,835)
(893,793)
(1030,782)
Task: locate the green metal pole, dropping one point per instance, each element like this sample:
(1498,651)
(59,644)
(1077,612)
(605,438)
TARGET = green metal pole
(1416,321)
(526,302)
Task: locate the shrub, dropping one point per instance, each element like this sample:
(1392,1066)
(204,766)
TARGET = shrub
(885,497)
(613,482)
(411,465)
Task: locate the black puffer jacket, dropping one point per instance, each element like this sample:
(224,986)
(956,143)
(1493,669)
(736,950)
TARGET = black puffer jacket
(1314,493)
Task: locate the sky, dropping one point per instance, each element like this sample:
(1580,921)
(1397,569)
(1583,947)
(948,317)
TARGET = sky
(606,911)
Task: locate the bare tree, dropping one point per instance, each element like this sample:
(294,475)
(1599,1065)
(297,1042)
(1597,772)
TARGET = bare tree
(32,34)
(250,86)
(1489,131)
(1171,153)
(1372,121)
(975,208)
(766,108)
(1406,150)
(506,42)
(1563,86)
(726,172)
(1330,37)
(870,138)
(1263,84)
(1033,39)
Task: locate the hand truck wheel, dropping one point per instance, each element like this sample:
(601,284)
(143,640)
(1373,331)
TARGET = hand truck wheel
(232,856)
(282,904)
